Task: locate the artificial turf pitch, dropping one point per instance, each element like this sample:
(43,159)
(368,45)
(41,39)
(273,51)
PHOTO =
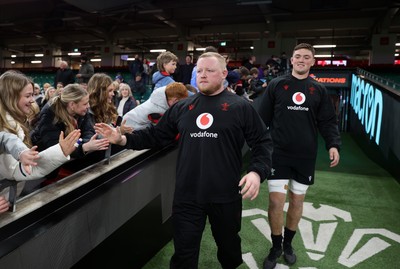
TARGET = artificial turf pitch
(350,220)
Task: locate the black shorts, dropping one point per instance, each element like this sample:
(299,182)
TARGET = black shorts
(301,170)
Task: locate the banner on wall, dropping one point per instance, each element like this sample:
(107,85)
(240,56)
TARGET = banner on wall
(332,79)
(375,115)
(367,103)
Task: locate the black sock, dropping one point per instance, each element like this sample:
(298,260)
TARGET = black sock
(288,236)
(276,241)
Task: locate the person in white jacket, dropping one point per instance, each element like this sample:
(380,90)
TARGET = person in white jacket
(159,101)
(16,98)
(10,143)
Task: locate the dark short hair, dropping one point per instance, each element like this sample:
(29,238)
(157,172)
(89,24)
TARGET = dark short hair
(305,46)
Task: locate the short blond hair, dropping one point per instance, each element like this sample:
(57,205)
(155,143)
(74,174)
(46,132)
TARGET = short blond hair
(216,55)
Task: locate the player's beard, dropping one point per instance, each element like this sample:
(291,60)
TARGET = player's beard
(209,89)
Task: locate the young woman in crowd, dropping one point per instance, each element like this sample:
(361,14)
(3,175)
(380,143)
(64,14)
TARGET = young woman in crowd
(16,99)
(68,112)
(101,92)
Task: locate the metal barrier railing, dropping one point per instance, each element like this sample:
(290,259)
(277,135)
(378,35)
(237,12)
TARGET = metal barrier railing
(12,184)
(379,79)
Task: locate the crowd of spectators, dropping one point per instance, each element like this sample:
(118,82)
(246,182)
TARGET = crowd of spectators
(67,108)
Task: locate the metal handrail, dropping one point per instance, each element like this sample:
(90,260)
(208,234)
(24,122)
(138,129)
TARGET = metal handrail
(12,184)
(379,79)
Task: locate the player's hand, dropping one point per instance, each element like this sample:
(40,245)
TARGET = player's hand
(112,134)
(251,186)
(125,129)
(334,157)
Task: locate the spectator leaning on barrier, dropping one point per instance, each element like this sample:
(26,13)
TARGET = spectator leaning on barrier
(101,92)
(160,100)
(11,144)
(66,113)
(16,98)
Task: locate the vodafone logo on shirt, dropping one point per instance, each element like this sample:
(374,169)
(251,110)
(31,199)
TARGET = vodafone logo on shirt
(298,98)
(204,121)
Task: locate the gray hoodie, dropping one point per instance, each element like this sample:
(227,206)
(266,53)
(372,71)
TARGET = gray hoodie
(138,119)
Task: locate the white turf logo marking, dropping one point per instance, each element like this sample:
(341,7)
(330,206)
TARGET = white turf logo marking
(372,247)
(316,246)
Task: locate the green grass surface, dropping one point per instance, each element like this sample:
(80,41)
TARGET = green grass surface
(359,187)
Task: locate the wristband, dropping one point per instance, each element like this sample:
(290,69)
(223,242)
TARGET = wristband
(78,142)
